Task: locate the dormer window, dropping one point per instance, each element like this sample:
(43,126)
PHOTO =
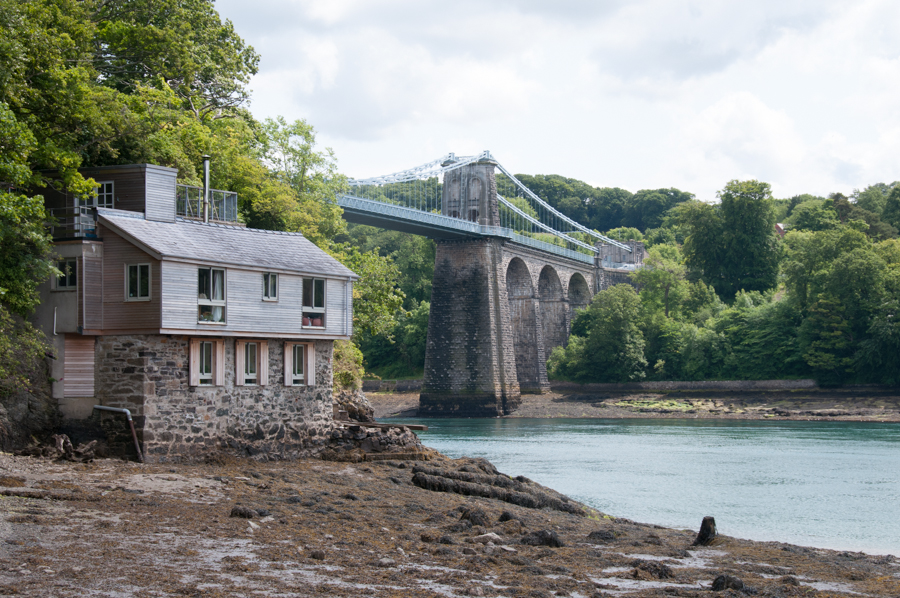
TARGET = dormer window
(211,296)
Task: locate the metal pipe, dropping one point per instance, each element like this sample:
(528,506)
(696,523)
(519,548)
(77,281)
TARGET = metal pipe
(54,321)
(205,188)
(127,413)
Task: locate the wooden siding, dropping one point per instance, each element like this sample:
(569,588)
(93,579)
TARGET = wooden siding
(245,310)
(119,314)
(78,369)
(160,193)
(335,303)
(128,185)
(91,287)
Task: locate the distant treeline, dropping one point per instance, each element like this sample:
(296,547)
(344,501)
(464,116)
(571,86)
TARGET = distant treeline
(722,296)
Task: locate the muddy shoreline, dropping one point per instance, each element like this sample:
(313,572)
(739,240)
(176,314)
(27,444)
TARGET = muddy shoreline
(881,406)
(313,527)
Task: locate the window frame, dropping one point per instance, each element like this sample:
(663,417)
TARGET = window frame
(261,363)
(270,279)
(73,274)
(93,200)
(196,348)
(308,311)
(213,303)
(309,364)
(139,297)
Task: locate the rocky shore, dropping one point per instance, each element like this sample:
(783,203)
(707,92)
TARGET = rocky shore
(700,404)
(398,527)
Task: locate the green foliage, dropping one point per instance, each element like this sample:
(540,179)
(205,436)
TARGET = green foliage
(22,351)
(625,233)
(613,350)
(733,245)
(661,280)
(348,366)
(376,298)
(403,355)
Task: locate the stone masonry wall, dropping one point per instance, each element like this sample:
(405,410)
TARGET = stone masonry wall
(149,375)
(469,357)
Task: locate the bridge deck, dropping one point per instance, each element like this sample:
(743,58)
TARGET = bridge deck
(437,226)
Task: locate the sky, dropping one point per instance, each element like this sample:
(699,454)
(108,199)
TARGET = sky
(638,94)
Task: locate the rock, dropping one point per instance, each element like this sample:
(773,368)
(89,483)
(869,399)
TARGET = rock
(475,517)
(469,551)
(263,512)
(485,538)
(508,549)
(386,562)
(507,516)
(707,532)
(655,569)
(542,538)
(244,512)
(474,591)
(601,535)
(319,555)
(727,582)
(355,404)
(446,540)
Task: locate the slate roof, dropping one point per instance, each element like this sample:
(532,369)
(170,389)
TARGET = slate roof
(224,244)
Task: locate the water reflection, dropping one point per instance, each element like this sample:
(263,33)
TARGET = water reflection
(827,484)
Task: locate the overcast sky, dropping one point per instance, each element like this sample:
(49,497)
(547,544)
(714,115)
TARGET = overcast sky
(803,94)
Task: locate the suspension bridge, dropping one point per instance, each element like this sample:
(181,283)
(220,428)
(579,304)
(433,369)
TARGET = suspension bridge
(510,272)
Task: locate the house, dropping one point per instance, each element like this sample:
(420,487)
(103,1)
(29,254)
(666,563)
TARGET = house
(212,334)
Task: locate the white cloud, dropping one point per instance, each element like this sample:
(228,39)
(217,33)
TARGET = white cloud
(638,94)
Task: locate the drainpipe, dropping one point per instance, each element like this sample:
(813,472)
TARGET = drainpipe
(127,413)
(205,188)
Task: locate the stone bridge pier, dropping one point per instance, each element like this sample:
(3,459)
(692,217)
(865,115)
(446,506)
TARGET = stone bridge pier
(498,309)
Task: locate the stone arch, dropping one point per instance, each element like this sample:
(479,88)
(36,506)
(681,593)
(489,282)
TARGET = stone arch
(579,293)
(554,310)
(523,321)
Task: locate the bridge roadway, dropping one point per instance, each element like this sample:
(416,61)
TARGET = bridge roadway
(438,226)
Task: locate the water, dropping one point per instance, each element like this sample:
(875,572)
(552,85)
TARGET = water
(823,484)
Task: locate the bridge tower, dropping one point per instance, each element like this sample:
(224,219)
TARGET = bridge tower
(470,359)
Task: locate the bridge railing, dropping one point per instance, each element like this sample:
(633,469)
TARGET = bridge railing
(448,222)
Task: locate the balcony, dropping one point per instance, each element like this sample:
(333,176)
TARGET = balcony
(222,204)
(73,223)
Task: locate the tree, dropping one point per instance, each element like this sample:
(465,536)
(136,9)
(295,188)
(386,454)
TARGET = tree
(607,345)
(734,244)
(661,276)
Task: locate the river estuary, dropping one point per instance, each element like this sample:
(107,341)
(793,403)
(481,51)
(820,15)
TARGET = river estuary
(823,484)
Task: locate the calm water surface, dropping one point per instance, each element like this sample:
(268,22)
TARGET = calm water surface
(823,484)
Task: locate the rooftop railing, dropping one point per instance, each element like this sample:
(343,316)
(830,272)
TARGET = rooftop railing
(222,204)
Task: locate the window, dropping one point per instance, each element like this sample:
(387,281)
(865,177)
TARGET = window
(251,360)
(101,198)
(299,364)
(137,282)
(314,302)
(207,362)
(211,296)
(68,280)
(105,195)
(270,287)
